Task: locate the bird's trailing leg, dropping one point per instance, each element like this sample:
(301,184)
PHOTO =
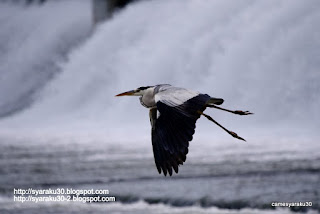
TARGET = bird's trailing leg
(233,134)
(234,112)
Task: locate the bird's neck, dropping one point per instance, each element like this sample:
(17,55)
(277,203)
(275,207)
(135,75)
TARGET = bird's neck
(147,99)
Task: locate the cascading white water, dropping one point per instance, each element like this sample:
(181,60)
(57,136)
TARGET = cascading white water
(34,40)
(261,56)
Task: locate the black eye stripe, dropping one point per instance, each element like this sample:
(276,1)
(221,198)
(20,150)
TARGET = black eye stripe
(144,88)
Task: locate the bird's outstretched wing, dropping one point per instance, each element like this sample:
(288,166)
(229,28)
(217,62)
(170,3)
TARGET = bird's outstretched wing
(173,125)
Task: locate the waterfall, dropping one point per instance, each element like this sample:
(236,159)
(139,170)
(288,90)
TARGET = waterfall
(261,56)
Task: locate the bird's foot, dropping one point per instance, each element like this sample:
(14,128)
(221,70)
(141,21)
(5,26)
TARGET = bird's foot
(233,134)
(242,112)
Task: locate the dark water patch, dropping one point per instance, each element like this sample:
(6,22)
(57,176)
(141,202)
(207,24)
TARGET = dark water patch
(175,202)
(127,199)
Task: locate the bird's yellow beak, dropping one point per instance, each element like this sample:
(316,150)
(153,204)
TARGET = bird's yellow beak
(127,93)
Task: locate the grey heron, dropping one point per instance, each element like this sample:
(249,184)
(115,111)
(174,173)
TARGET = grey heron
(173,115)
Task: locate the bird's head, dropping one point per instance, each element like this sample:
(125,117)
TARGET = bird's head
(137,92)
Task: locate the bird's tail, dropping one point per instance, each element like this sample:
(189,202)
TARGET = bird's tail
(216,101)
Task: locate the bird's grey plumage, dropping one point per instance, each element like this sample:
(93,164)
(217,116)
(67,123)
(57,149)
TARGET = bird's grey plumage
(173,96)
(173,115)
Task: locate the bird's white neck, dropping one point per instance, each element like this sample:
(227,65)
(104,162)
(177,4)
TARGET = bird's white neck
(147,98)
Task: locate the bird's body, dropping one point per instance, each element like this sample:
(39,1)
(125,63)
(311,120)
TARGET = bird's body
(173,115)
(167,94)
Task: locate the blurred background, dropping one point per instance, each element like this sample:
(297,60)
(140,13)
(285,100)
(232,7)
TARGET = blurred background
(62,62)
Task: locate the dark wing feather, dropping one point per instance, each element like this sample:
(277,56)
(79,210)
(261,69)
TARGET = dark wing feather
(172,131)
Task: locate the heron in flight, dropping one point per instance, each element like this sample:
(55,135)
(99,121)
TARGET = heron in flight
(173,115)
